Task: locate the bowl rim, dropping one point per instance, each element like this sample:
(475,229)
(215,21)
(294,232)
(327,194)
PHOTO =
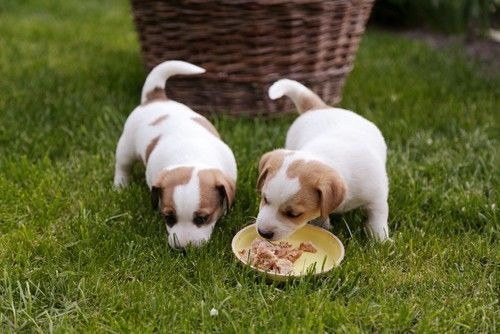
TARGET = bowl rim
(278,275)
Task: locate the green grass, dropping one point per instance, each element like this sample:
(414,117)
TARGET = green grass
(77,256)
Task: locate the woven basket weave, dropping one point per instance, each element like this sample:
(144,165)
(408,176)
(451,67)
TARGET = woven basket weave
(246,45)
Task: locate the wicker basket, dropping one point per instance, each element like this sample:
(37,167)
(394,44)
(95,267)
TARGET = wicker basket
(246,45)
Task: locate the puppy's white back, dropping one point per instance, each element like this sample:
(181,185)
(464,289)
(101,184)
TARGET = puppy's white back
(181,140)
(333,124)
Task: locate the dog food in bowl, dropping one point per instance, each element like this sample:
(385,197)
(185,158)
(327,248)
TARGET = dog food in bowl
(279,257)
(309,250)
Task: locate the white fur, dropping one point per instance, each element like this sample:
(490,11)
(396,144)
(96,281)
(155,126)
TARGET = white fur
(183,232)
(287,87)
(183,142)
(277,192)
(160,74)
(353,146)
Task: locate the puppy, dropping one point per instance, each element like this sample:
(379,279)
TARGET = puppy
(334,161)
(190,171)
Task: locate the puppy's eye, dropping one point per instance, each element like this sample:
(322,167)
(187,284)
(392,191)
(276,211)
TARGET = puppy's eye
(170,219)
(292,214)
(200,220)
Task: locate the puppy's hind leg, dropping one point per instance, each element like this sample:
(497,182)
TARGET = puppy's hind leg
(125,157)
(376,225)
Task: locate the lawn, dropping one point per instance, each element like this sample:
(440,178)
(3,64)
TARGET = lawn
(76,256)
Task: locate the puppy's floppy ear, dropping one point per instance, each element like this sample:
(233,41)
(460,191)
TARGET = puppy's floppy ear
(269,161)
(156,193)
(331,189)
(226,187)
(262,179)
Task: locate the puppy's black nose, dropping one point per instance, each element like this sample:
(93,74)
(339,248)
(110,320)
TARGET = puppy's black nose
(267,235)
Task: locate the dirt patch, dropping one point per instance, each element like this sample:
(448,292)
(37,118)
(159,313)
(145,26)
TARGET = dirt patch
(484,51)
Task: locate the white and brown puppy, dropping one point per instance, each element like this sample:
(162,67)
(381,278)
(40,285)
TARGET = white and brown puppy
(191,172)
(334,161)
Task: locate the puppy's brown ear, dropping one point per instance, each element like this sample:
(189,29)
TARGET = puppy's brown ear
(156,193)
(263,169)
(226,187)
(262,179)
(269,164)
(331,189)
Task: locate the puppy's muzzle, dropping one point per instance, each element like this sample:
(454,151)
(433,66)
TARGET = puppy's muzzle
(265,234)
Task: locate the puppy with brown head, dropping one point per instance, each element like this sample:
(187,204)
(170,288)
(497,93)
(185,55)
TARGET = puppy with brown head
(191,200)
(191,172)
(334,161)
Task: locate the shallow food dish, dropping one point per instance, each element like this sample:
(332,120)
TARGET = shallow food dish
(329,254)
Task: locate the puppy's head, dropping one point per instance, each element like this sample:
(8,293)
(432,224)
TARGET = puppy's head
(191,201)
(294,191)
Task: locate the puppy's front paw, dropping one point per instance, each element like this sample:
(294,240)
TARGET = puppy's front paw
(384,240)
(380,234)
(120,181)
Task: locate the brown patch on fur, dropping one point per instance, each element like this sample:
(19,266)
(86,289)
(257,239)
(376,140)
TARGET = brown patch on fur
(322,188)
(269,165)
(151,146)
(158,120)
(305,203)
(207,125)
(309,101)
(157,94)
(217,192)
(166,183)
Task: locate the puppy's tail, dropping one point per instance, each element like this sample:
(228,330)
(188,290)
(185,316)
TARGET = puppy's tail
(154,86)
(303,98)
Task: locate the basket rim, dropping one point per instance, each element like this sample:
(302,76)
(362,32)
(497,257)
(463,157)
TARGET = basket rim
(270,77)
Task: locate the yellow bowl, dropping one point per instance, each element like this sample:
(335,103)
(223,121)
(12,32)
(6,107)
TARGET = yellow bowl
(330,250)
